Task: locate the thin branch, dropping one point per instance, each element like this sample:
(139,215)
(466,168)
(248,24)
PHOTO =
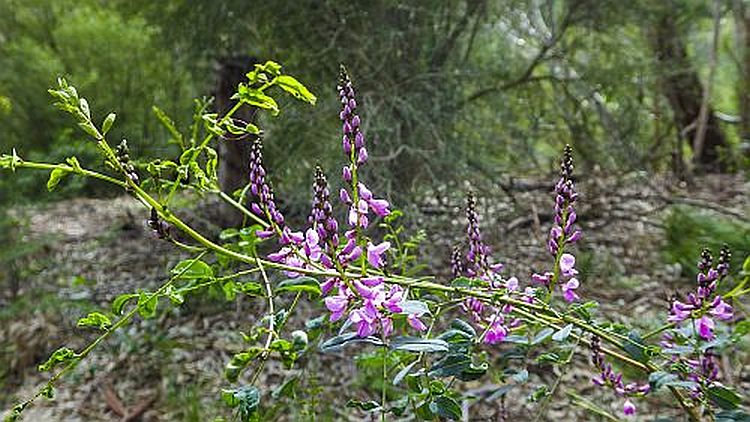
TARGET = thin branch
(700,134)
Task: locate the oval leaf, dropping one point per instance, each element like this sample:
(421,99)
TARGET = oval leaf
(300,284)
(416,344)
(190,269)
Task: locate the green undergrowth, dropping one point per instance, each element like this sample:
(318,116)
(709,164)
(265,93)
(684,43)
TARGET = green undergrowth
(686,227)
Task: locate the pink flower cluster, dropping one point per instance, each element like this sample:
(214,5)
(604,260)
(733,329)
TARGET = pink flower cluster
(367,302)
(375,306)
(353,143)
(494,320)
(703,305)
(607,377)
(563,232)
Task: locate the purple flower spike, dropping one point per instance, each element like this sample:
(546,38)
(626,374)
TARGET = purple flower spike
(704,305)
(260,188)
(457,263)
(321,215)
(353,138)
(607,377)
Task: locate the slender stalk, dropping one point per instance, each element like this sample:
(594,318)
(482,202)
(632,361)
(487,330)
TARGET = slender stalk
(116,326)
(65,167)
(271,321)
(228,199)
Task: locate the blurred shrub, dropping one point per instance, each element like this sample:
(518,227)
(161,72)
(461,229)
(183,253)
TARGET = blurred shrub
(686,228)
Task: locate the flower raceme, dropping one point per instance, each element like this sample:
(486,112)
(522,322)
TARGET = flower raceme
(562,233)
(704,305)
(360,199)
(607,377)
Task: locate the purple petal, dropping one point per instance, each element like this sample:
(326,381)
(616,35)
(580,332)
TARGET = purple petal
(416,323)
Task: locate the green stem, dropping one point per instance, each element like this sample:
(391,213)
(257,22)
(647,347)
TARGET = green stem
(65,167)
(117,325)
(241,208)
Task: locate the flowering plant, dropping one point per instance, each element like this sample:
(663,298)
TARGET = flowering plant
(374,293)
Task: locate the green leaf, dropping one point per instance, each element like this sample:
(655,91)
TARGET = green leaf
(403,372)
(147,305)
(246,399)
(239,362)
(286,389)
(230,291)
(227,234)
(449,366)
(457,338)
(732,416)
(54,178)
(84,106)
(724,397)
(563,334)
(252,129)
(542,335)
(190,269)
(367,406)
(120,302)
(414,307)
(300,284)
(95,319)
(548,357)
(462,282)
(591,407)
(256,98)
(335,344)
(635,348)
(90,129)
(294,87)
(417,344)
(250,288)
(446,407)
(108,122)
(168,123)
(460,366)
(60,356)
(659,379)
(464,326)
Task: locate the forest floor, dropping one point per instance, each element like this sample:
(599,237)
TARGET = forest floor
(170,367)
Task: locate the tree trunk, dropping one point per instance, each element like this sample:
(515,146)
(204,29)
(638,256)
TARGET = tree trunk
(742,25)
(234,155)
(683,89)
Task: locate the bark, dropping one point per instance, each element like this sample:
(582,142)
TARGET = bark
(700,133)
(683,89)
(234,155)
(742,21)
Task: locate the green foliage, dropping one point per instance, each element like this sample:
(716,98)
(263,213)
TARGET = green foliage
(61,356)
(103,52)
(686,228)
(246,399)
(95,319)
